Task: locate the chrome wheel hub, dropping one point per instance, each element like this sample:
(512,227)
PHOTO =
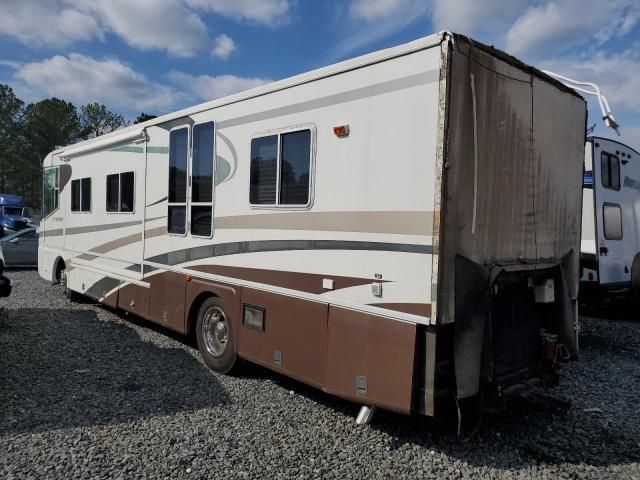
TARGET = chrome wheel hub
(215,331)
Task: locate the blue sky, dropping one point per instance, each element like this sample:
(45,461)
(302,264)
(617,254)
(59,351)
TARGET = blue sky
(160,55)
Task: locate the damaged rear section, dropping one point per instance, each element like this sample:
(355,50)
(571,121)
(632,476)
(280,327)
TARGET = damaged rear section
(510,224)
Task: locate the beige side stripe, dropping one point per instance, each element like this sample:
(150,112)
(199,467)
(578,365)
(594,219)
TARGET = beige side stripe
(398,222)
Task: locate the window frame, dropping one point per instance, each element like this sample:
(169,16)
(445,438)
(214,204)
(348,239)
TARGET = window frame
(190,202)
(610,156)
(312,167)
(90,198)
(187,196)
(106,185)
(57,189)
(604,221)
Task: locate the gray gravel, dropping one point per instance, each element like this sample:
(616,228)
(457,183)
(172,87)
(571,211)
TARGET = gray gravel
(89,393)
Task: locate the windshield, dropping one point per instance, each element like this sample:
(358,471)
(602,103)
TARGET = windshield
(12,211)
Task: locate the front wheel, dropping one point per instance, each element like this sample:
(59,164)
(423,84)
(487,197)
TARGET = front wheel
(215,336)
(64,279)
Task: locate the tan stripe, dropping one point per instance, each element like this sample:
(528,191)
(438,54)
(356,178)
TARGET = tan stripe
(400,222)
(129,239)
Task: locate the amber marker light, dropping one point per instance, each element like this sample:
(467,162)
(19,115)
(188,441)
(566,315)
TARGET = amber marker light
(341,131)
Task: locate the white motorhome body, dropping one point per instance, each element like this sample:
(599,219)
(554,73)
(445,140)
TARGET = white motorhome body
(610,217)
(385,229)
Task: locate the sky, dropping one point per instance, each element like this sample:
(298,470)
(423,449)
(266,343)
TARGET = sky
(157,56)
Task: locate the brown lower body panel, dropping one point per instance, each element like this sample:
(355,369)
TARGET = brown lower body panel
(358,356)
(370,359)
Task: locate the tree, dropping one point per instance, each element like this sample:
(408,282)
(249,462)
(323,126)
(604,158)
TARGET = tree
(10,113)
(143,117)
(96,120)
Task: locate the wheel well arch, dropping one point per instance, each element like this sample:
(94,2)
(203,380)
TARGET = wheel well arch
(194,308)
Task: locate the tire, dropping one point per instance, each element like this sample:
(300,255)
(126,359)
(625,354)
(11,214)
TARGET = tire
(5,287)
(70,294)
(635,275)
(216,341)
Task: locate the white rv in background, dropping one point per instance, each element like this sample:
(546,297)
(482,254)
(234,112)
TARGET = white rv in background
(386,229)
(610,251)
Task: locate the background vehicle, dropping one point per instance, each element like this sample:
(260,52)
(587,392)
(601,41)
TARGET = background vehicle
(364,228)
(610,251)
(20,249)
(15,214)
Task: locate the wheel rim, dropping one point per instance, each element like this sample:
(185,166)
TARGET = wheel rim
(215,331)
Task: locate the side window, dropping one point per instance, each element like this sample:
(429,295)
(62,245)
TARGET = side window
(50,191)
(81,195)
(202,180)
(610,168)
(280,169)
(121,192)
(612,220)
(177,198)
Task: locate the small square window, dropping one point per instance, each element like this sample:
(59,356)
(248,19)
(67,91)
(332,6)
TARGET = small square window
(612,220)
(610,171)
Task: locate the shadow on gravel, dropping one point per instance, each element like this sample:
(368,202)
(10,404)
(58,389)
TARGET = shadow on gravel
(66,368)
(525,435)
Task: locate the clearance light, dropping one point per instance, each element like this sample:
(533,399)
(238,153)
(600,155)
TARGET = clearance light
(341,131)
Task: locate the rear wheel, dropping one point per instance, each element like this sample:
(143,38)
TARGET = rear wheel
(215,336)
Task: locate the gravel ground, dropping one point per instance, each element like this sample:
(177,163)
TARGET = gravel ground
(88,393)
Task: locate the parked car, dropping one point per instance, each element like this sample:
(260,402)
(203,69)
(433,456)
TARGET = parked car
(19,249)
(15,214)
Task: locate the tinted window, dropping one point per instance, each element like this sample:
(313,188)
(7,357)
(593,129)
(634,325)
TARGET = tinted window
(202,164)
(126,191)
(264,152)
(85,190)
(75,195)
(610,171)
(176,220)
(201,220)
(294,167)
(113,187)
(178,145)
(612,219)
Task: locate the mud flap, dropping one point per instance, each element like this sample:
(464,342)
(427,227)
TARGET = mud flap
(471,304)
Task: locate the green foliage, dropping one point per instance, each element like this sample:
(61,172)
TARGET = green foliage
(97,120)
(143,117)
(28,134)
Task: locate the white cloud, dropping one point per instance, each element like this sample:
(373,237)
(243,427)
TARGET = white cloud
(43,22)
(83,79)
(154,24)
(617,75)
(206,87)
(223,46)
(472,17)
(381,18)
(267,12)
(554,27)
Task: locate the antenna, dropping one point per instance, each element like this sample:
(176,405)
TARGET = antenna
(607,115)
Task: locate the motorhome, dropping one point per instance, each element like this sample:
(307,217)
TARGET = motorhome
(394,229)
(610,252)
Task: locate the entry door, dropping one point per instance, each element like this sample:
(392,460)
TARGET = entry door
(191,170)
(616,202)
